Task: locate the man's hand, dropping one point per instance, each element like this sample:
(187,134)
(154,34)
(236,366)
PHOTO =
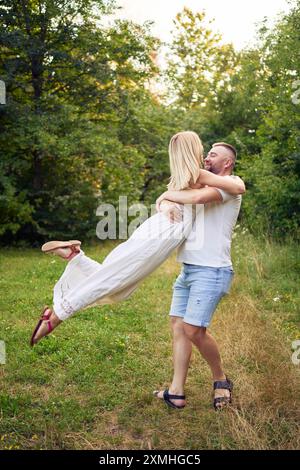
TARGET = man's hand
(171,210)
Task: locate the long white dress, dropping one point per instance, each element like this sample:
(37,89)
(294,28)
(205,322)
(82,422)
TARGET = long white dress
(86,282)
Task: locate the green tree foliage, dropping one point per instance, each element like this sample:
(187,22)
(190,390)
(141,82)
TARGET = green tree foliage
(198,62)
(70,84)
(199,74)
(273,173)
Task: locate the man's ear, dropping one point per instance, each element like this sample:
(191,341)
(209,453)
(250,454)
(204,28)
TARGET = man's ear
(228,163)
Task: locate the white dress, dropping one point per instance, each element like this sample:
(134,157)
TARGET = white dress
(86,282)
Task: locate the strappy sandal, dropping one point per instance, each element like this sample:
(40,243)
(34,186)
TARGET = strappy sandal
(50,247)
(167,397)
(45,317)
(223,384)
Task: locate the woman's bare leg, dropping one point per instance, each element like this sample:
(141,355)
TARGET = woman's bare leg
(75,272)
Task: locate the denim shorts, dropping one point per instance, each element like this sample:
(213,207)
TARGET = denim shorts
(197,292)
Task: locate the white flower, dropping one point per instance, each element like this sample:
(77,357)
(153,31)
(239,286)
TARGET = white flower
(276,299)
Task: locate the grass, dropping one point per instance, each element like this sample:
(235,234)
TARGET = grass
(89,385)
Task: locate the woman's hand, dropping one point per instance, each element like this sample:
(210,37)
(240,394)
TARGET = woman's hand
(171,210)
(160,199)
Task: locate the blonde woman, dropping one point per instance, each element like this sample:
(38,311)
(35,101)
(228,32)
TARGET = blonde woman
(86,282)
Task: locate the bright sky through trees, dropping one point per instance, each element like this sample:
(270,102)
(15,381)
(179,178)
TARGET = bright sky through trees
(235,19)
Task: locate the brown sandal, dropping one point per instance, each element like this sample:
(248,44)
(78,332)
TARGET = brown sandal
(45,317)
(220,402)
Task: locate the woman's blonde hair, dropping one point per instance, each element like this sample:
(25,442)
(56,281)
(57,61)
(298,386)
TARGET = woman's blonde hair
(186,159)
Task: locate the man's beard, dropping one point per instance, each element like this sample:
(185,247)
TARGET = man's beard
(212,170)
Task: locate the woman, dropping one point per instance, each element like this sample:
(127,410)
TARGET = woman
(86,282)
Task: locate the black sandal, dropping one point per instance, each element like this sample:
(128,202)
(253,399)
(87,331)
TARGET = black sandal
(227,385)
(167,397)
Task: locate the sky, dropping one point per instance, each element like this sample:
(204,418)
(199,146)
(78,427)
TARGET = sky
(234,19)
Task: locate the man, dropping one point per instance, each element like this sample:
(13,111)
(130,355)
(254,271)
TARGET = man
(205,278)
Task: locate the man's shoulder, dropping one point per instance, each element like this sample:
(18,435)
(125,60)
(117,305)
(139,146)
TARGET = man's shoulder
(228,198)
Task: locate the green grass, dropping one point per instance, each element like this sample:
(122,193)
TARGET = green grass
(89,385)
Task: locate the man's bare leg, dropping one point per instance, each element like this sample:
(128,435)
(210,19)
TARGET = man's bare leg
(207,346)
(182,349)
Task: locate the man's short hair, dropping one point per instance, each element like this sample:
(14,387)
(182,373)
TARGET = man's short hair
(228,146)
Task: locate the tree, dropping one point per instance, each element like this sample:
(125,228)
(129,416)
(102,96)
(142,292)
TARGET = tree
(69,81)
(274,173)
(198,62)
